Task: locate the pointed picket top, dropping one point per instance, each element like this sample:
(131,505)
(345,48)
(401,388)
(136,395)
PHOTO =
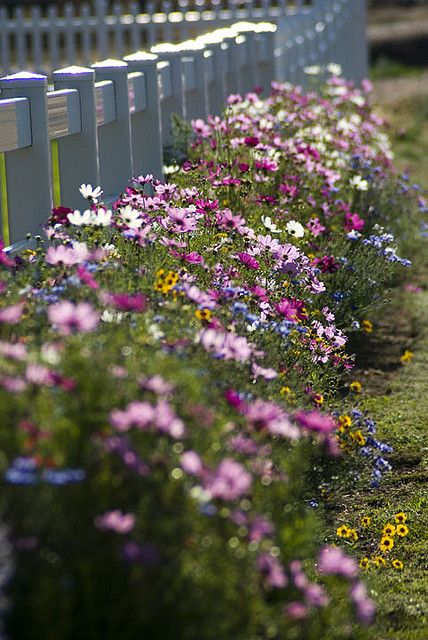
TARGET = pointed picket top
(108,63)
(23,79)
(141,56)
(74,72)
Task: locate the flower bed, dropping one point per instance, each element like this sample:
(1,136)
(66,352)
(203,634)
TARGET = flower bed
(172,382)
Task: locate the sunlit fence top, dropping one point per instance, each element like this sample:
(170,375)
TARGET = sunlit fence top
(111,120)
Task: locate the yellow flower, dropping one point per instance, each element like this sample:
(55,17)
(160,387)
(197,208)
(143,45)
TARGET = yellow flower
(356,386)
(389,530)
(401,530)
(318,398)
(397,564)
(203,314)
(353,534)
(386,543)
(406,357)
(343,531)
(367,326)
(358,437)
(366,521)
(285,391)
(364,563)
(345,421)
(378,561)
(400,518)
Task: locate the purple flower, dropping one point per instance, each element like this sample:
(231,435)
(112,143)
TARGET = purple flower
(272,570)
(364,606)
(191,463)
(127,302)
(229,481)
(248,260)
(296,610)
(315,421)
(12,314)
(333,561)
(70,318)
(116,521)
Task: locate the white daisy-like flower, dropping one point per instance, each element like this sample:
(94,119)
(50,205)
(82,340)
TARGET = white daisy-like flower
(295,229)
(101,218)
(80,219)
(88,192)
(359,183)
(271,226)
(312,70)
(130,216)
(334,69)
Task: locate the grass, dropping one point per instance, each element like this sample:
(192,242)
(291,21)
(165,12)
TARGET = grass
(384,67)
(397,398)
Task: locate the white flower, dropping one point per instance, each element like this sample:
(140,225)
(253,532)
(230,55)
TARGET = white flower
(312,70)
(295,229)
(334,69)
(101,218)
(170,169)
(271,226)
(111,316)
(88,192)
(131,217)
(359,183)
(80,219)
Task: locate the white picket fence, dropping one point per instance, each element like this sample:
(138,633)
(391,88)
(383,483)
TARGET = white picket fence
(112,119)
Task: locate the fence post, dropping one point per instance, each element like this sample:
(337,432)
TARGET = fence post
(114,139)
(146,125)
(195,79)
(28,171)
(216,81)
(78,154)
(174,104)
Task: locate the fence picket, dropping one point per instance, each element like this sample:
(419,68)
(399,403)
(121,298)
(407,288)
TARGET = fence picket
(114,139)
(28,170)
(78,154)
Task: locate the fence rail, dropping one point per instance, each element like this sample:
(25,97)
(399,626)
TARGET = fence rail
(111,120)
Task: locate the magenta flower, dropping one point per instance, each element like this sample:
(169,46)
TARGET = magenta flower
(128,302)
(273,570)
(353,222)
(69,318)
(12,314)
(229,481)
(364,606)
(333,561)
(4,258)
(251,141)
(296,610)
(315,421)
(191,463)
(248,260)
(116,521)
(292,309)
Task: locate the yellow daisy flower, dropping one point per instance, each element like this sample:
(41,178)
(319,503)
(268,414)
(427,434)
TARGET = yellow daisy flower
(356,386)
(386,543)
(343,531)
(397,564)
(389,530)
(400,518)
(367,326)
(406,357)
(401,530)
(366,521)
(203,314)
(378,561)
(364,563)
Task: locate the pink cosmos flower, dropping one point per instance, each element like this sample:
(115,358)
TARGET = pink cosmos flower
(191,463)
(4,258)
(364,606)
(67,256)
(248,260)
(296,610)
(86,277)
(272,570)
(128,302)
(229,481)
(12,314)
(292,309)
(333,561)
(353,222)
(315,421)
(116,521)
(69,318)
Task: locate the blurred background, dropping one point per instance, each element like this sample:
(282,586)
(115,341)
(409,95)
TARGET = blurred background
(398,44)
